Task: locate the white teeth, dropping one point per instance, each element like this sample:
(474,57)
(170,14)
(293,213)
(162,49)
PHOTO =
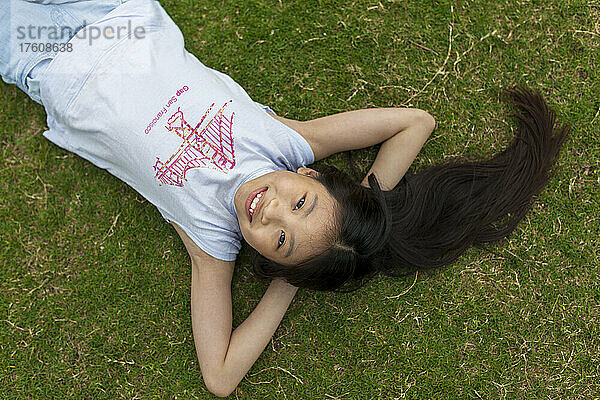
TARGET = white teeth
(254,202)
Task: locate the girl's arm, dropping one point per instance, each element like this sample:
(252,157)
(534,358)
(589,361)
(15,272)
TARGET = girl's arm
(225,356)
(403,131)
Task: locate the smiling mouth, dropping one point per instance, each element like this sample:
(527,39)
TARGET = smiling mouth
(253,202)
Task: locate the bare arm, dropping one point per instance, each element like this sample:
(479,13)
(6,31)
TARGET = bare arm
(225,356)
(398,152)
(403,132)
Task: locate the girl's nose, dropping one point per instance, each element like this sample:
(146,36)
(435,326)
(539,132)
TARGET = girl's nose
(271,211)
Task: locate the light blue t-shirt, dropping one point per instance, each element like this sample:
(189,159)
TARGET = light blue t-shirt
(184,136)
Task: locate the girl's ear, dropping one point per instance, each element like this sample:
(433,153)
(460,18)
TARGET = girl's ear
(308,172)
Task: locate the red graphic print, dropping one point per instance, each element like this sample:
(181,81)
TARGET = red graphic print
(212,147)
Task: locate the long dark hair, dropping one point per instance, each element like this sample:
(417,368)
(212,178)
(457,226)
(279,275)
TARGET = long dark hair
(430,218)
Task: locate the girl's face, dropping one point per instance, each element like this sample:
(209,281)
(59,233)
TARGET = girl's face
(291,216)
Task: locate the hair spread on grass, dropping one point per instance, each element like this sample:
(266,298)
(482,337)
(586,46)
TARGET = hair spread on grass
(431,217)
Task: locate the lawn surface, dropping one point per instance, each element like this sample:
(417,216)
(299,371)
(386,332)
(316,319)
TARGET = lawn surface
(94,285)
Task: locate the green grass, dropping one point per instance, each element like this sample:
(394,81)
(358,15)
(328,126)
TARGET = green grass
(94,288)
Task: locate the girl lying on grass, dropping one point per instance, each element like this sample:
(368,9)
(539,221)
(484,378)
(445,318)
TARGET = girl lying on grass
(222,168)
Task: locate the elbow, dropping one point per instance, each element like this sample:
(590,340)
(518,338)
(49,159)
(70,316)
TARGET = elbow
(220,392)
(428,121)
(218,385)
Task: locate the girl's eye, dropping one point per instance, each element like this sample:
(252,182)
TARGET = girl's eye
(300,203)
(282,236)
